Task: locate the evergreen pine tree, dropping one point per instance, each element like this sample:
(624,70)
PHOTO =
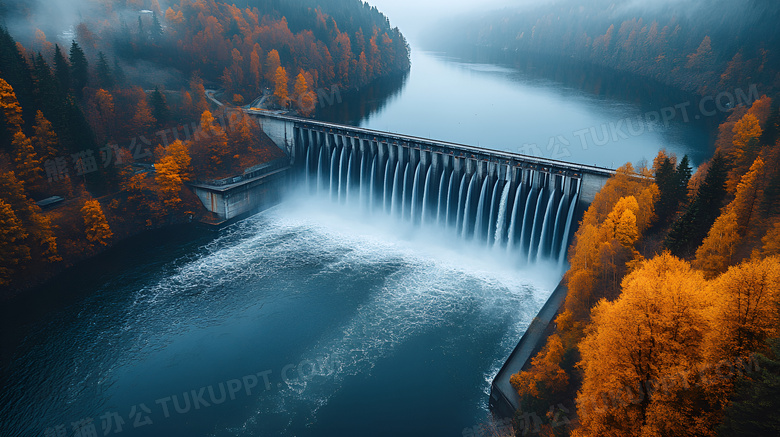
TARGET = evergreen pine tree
(79,69)
(119,73)
(141,31)
(681,178)
(755,408)
(15,70)
(103,72)
(688,231)
(772,131)
(160,109)
(770,204)
(51,99)
(232,29)
(665,177)
(48,93)
(157,30)
(61,69)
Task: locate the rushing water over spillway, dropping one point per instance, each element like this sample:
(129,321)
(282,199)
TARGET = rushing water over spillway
(526,212)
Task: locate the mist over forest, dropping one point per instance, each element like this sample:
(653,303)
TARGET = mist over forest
(699,46)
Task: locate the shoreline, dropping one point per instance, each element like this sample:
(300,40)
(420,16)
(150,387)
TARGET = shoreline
(65,268)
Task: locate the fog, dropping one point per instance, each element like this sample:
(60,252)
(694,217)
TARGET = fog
(51,16)
(414,17)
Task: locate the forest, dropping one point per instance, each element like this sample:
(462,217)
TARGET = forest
(671,324)
(110,114)
(693,46)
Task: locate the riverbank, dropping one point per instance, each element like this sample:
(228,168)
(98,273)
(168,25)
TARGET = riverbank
(504,400)
(40,273)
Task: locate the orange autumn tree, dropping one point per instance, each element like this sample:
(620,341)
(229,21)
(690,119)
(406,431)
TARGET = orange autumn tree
(198,95)
(703,57)
(255,70)
(42,45)
(652,330)
(545,378)
(621,224)
(10,107)
(187,106)
(304,98)
(12,249)
(233,76)
(179,152)
(28,166)
(44,138)
(272,63)
(745,316)
(95,223)
(742,316)
(143,120)
(171,171)
(762,109)
(209,148)
(606,237)
(169,182)
(280,87)
(747,133)
(746,130)
(216,139)
(174,17)
(101,114)
(771,241)
(40,239)
(746,309)
(717,251)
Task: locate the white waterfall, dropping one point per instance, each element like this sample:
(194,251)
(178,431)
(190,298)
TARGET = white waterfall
(498,239)
(536,227)
(426,184)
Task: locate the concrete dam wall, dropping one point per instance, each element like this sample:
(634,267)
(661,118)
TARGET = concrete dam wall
(508,200)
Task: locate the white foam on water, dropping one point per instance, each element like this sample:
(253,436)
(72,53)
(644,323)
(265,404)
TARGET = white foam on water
(440,281)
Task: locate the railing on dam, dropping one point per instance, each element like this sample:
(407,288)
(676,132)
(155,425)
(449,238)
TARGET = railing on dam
(289,124)
(248,174)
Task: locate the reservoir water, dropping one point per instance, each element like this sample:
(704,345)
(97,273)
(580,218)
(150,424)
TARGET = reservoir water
(550,108)
(316,318)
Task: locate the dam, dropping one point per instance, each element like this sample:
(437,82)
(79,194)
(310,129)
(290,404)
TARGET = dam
(522,206)
(504,199)
(510,201)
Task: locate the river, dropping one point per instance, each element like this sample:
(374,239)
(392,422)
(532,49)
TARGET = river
(312,319)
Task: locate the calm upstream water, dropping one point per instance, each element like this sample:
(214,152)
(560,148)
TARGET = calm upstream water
(549,108)
(313,319)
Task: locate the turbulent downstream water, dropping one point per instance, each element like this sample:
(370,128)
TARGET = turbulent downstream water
(360,325)
(317,318)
